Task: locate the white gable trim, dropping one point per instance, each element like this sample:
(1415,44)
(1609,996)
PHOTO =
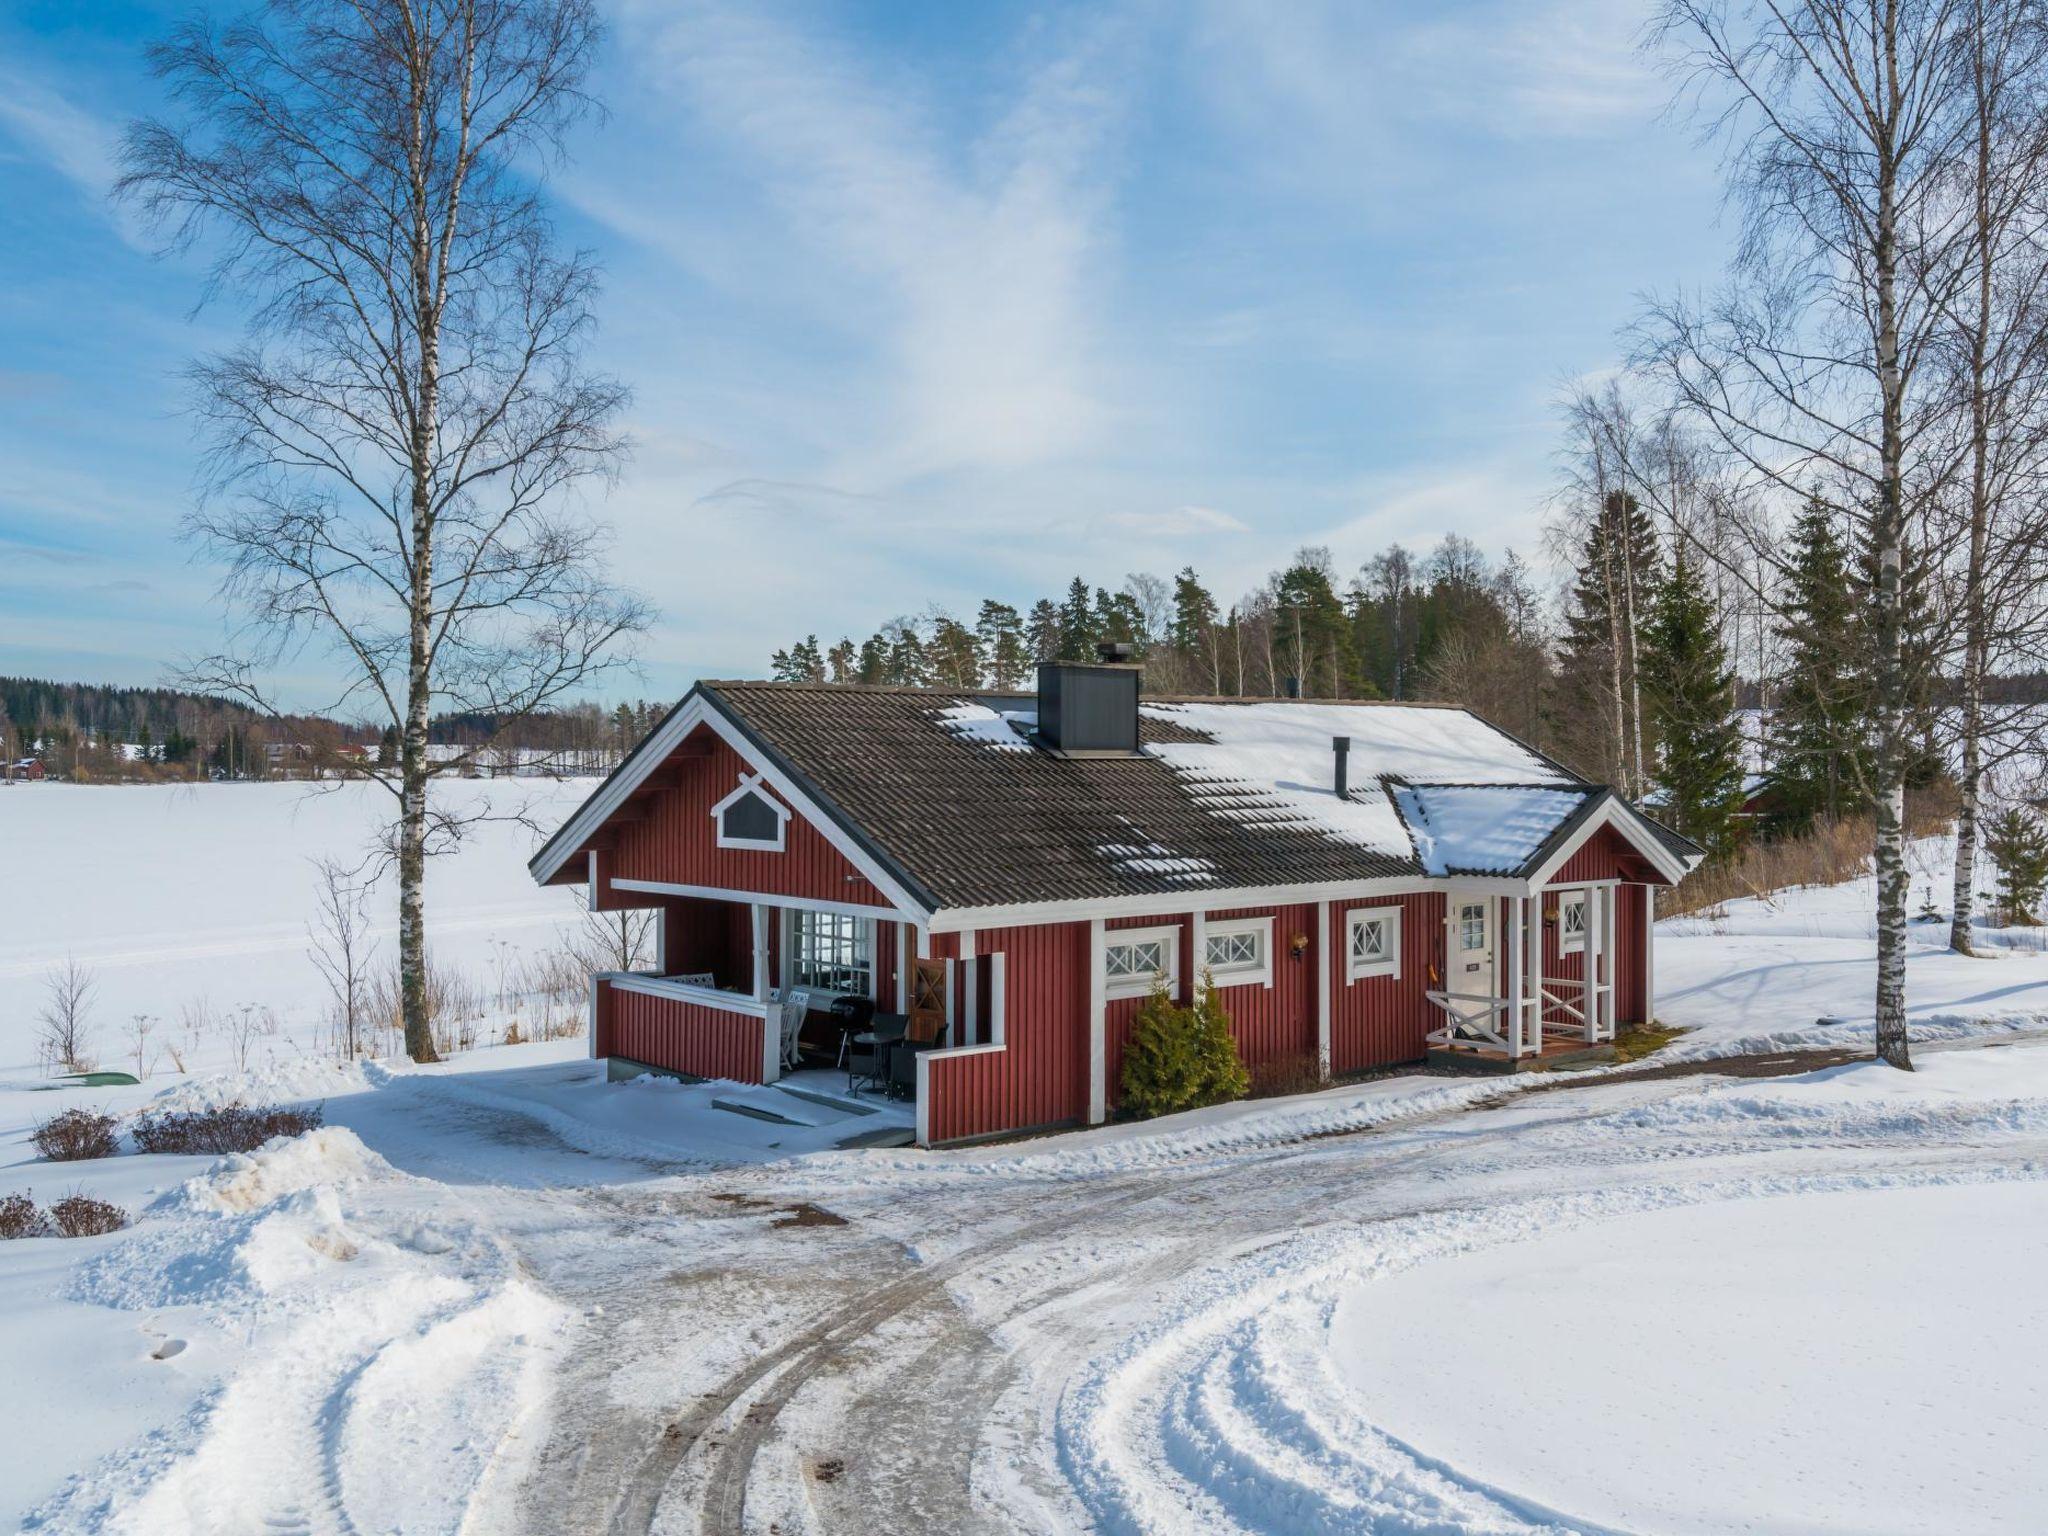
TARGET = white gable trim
(1617,814)
(654,753)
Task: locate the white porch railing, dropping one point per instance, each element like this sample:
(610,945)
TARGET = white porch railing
(1519,1022)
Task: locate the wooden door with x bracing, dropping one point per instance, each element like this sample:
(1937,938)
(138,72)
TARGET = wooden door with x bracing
(927,1010)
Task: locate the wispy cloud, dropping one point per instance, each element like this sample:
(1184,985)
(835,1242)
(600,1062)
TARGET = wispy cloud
(1178,522)
(78,145)
(965,256)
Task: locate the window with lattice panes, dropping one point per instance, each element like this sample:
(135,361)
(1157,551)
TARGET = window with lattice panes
(1571,923)
(1238,951)
(828,952)
(1133,958)
(1375,943)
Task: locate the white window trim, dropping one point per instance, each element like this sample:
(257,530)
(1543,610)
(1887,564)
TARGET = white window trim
(750,784)
(1354,970)
(1132,986)
(1567,943)
(1259,975)
(786,955)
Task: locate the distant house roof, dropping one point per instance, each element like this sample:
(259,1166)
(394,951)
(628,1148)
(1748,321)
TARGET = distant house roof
(953,800)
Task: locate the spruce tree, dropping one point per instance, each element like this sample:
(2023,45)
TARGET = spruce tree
(1620,571)
(1691,703)
(1816,742)
(1078,633)
(953,656)
(1042,631)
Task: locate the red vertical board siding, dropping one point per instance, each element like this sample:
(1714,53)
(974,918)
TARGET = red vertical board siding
(677,839)
(1277,1022)
(1040,1077)
(1379,1021)
(1631,955)
(682,1036)
(1606,855)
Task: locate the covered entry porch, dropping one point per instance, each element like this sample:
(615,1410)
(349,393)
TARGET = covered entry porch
(1539,978)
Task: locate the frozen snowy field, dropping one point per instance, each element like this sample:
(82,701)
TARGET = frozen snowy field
(177,895)
(497,1295)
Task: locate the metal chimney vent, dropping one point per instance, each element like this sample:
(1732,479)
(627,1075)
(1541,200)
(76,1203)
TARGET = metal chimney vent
(1088,710)
(1341,745)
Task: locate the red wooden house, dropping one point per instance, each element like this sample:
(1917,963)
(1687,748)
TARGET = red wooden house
(1367,883)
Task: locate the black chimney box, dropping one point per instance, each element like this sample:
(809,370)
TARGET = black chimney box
(1088,710)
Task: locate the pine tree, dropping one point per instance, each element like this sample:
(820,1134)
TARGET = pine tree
(1000,631)
(953,656)
(842,661)
(1310,628)
(1691,689)
(1118,619)
(801,663)
(874,661)
(1817,744)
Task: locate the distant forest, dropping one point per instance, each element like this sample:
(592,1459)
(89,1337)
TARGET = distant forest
(96,732)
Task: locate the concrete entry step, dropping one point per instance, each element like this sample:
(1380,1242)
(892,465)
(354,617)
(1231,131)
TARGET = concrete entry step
(887,1136)
(826,1100)
(754,1112)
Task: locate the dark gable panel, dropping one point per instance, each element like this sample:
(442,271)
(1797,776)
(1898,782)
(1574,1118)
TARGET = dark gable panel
(751,819)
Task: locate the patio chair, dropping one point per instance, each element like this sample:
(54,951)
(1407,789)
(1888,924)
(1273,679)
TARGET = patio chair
(796,1005)
(927,1032)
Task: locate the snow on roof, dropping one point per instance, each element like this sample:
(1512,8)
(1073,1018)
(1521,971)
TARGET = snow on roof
(1483,828)
(1272,764)
(984,726)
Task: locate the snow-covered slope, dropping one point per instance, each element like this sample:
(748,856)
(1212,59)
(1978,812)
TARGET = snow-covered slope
(1800,968)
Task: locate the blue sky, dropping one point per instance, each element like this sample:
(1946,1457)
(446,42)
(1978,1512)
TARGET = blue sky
(926,302)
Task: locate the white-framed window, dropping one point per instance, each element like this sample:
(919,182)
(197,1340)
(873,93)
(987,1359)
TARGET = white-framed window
(1375,943)
(750,817)
(1132,958)
(1238,951)
(1472,925)
(827,952)
(1571,923)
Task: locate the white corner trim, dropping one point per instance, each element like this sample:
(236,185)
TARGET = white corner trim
(1260,975)
(762,898)
(1391,966)
(1167,935)
(1322,954)
(750,788)
(1098,1086)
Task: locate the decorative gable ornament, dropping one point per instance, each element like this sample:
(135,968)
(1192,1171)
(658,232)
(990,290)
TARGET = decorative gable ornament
(752,818)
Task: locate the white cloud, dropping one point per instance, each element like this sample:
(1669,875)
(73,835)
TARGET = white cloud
(1178,521)
(966,257)
(79,146)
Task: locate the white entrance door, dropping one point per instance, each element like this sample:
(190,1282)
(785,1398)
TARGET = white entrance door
(1471,946)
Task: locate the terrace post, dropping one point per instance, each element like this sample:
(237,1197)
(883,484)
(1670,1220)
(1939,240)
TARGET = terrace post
(1513,1015)
(1532,936)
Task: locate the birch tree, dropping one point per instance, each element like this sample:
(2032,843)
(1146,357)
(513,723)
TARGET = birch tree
(396,447)
(1998,346)
(1812,368)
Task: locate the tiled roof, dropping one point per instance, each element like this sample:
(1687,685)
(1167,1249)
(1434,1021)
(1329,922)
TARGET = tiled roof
(930,783)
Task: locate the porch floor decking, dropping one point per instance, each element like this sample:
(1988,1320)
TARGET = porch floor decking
(1559,1050)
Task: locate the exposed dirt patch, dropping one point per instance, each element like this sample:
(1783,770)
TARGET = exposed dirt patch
(828,1470)
(743,1202)
(805,1214)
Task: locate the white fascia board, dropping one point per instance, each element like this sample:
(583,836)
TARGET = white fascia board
(666,738)
(1177,904)
(1617,814)
(763,898)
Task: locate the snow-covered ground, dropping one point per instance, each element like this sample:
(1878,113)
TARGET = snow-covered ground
(183,898)
(1764,973)
(498,1294)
